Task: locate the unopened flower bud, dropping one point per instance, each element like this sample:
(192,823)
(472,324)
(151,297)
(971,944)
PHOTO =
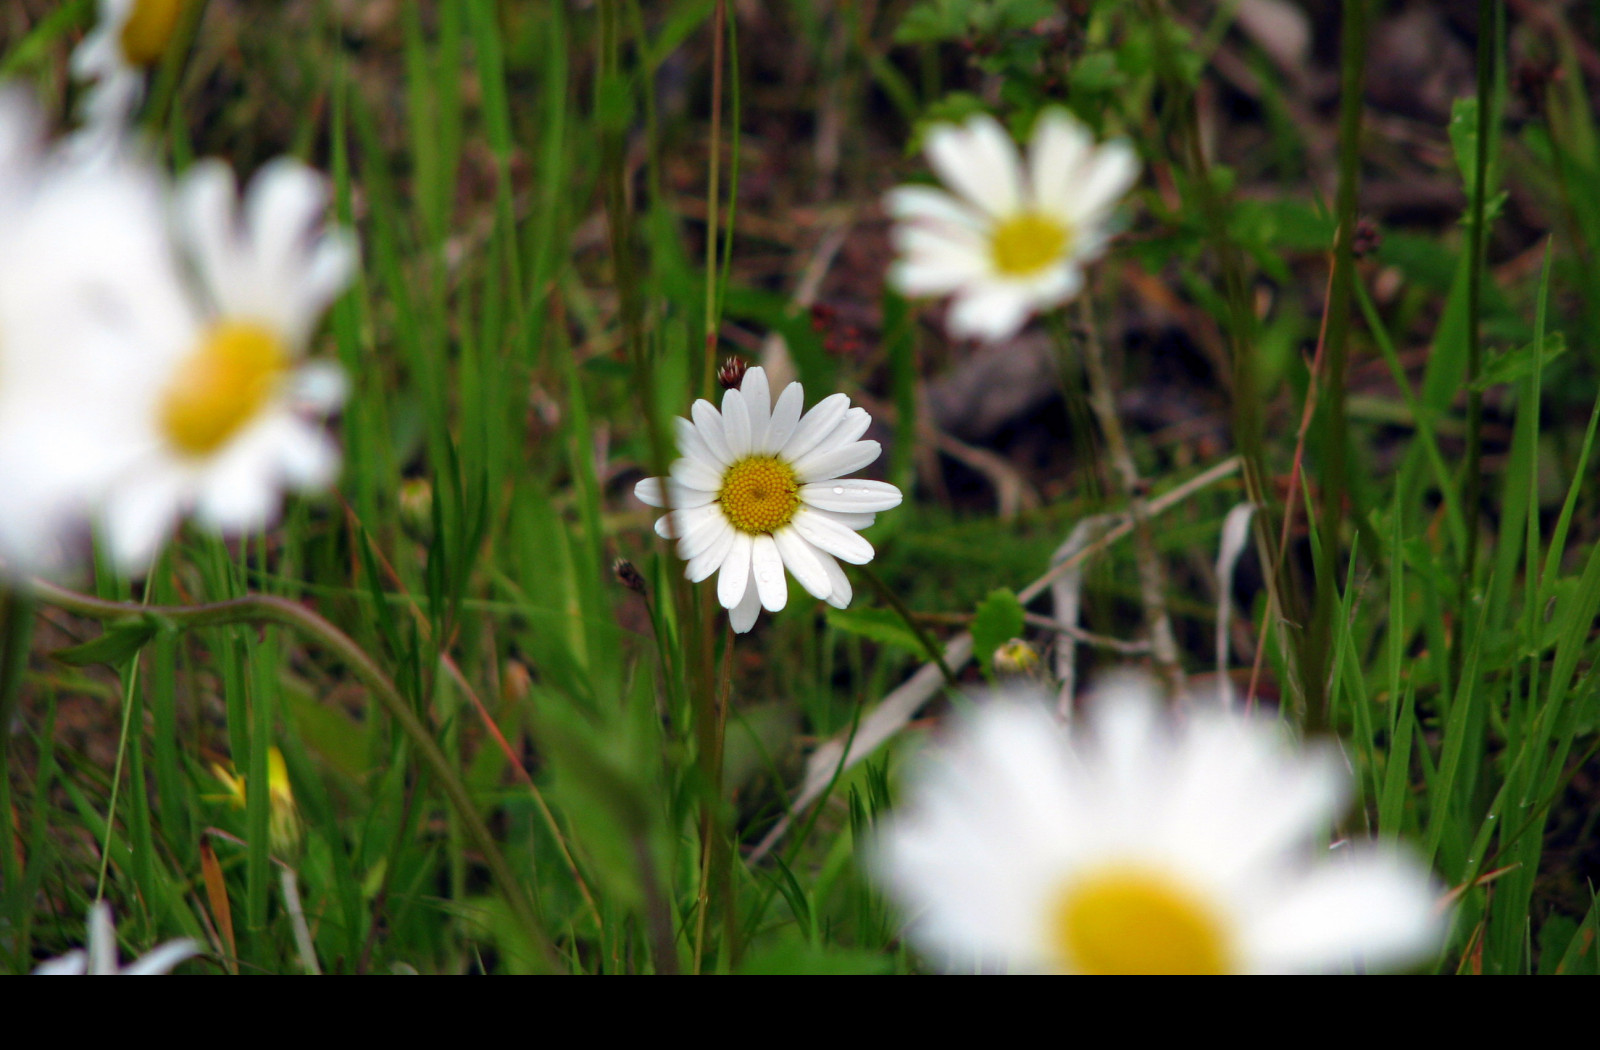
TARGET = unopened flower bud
(731,374)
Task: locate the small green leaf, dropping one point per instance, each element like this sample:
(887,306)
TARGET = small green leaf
(121,639)
(998,621)
(879,625)
(1512,365)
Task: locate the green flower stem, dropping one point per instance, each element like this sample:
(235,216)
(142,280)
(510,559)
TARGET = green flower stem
(261,608)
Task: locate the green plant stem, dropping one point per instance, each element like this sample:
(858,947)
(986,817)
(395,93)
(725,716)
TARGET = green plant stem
(1152,581)
(1329,383)
(260,609)
(1284,593)
(935,653)
(1472,482)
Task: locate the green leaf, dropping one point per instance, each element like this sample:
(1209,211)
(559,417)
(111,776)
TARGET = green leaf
(999,620)
(879,625)
(122,639)
(1511,365)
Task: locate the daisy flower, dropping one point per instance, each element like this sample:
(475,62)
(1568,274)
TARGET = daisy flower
(100,958)
(761,488)
(63,354)
(1013,238)
(1143,843)
(221,415)
(128,41)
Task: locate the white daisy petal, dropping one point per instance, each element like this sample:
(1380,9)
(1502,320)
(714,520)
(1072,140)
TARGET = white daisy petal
(804,563)
(1057,151)
(815,426)
(735,571)
(709,420)
(851,496)
(785,414)
(822,532)
(691,445)
(758,403)
(766,568)
(823,465)
(702,536)
(100,958)
(979,161)
(736,423)
(839,592)
(693,474)
(1367,909)
(925,204)
(710,560)
(990,312)
(1106,179)
(656,492)
(682,523)
(742,616)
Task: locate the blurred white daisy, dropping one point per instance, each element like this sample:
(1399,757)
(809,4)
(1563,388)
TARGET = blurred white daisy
(127,41)
(761,488)
(1143,843)
(64,261)
(224,413)
(99,959)
(1013,238)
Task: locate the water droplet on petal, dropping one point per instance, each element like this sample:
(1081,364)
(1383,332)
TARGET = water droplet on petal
(838,490)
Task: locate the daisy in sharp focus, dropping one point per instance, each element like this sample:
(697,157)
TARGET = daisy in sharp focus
(128,41)
(1142,843)
(761,488)
(224,413)
(1013,237)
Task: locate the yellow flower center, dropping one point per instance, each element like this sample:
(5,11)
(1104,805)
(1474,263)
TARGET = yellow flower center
(222,386)
(148,30)
(1027,243)
(1128,920)
(759,494)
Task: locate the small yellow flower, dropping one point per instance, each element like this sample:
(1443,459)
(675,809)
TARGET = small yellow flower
(283,820)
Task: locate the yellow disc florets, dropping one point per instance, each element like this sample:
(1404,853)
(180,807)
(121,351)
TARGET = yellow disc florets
(237,369)
(1027,243)
(1129,920)
(759,494)
(148,30)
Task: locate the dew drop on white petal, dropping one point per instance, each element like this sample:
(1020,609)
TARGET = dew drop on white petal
(838,490)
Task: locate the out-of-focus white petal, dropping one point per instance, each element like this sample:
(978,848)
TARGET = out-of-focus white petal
(979,161)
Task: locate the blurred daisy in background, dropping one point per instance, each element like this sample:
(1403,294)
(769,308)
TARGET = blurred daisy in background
(225,412)
(761,488)
(99,959)
(1013,238)
(68,260)
(129,39)
(1142,843)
